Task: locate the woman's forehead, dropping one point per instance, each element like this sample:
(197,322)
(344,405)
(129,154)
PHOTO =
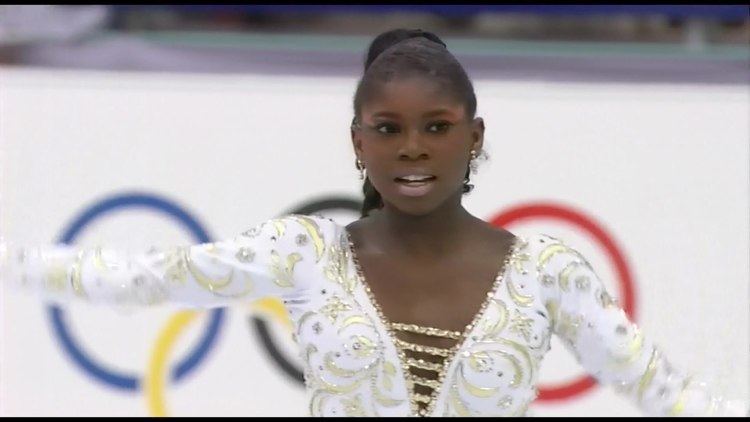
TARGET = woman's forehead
(413,96)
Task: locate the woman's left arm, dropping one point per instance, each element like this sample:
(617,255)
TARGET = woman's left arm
(611,347)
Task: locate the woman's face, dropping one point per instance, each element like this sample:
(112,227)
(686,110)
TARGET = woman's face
(412,127)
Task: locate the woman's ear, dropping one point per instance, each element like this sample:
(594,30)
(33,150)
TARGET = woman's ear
(477,133)
(356,141)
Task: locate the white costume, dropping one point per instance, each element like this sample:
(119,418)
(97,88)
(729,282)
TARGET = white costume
(356,365)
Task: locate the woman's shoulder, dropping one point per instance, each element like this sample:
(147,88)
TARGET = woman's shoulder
(298,226)
(310,218)
(316,220)
(539,239)
(545,251)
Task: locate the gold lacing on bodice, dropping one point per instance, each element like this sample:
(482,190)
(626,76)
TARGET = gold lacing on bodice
(423,359)
(408,352)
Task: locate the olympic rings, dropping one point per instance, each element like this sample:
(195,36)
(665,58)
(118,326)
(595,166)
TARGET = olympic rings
(72,348)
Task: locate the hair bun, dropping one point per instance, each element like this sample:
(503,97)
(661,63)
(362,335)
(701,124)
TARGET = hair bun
(430,36)
(390,38)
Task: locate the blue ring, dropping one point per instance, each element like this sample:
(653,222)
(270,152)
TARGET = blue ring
(57,315)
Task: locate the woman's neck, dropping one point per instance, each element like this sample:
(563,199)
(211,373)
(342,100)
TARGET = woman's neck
(434,234)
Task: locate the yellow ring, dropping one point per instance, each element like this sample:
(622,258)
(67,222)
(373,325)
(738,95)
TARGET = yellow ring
(154,382)
(157,369)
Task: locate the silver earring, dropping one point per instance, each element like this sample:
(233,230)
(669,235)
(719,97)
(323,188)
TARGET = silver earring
(473,162)
(361,168)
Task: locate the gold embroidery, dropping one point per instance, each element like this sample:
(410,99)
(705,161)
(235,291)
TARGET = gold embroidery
(337,268)
(338,389)
(552,308)
(317,402)
(333,307)
(491,329)
(57,276)
(389,371)
(75,276)
(548,253)
(280,226)
(303,320)
(331,367)
(205,281)
(176,267)
(382,399)
(679,406)
(284,274)
(246,291)
(480,392)
(517,369)
(565,275)
(522,410)
(457,404)
(353,407)
(567,326)
(315,234)
(517,259)
(362,346)
(354,319)
(634,351)
(648,376)
(99,262)
(605,300)
(523,351)
(521,324)
(518,298)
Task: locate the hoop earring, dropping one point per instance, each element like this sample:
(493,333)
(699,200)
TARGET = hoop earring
(361,168)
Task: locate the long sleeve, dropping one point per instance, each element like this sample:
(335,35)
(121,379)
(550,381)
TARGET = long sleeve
(271,259)
(609,346)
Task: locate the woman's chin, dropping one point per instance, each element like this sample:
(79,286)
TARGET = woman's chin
(415,207)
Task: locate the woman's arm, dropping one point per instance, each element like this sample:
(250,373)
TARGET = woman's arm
(612,348)
(270,259)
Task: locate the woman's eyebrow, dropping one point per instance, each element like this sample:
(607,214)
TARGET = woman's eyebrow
(431,113)
(438,112)
(385,114)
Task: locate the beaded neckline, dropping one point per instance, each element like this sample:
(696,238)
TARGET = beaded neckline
(452,352)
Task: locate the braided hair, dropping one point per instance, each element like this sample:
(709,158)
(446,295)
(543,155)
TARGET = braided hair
(408,52)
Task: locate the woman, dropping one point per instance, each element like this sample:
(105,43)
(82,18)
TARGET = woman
(418,308)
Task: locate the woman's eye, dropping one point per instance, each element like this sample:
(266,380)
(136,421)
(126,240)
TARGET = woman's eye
(386,128)
(438,127)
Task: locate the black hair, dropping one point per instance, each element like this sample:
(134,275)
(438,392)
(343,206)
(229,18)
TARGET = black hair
(406,52)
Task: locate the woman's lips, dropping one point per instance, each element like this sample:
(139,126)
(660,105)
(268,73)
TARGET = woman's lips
(419,188)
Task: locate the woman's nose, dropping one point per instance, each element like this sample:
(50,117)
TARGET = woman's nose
(412,145)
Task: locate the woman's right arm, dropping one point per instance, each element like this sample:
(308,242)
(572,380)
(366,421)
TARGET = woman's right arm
(271,259)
